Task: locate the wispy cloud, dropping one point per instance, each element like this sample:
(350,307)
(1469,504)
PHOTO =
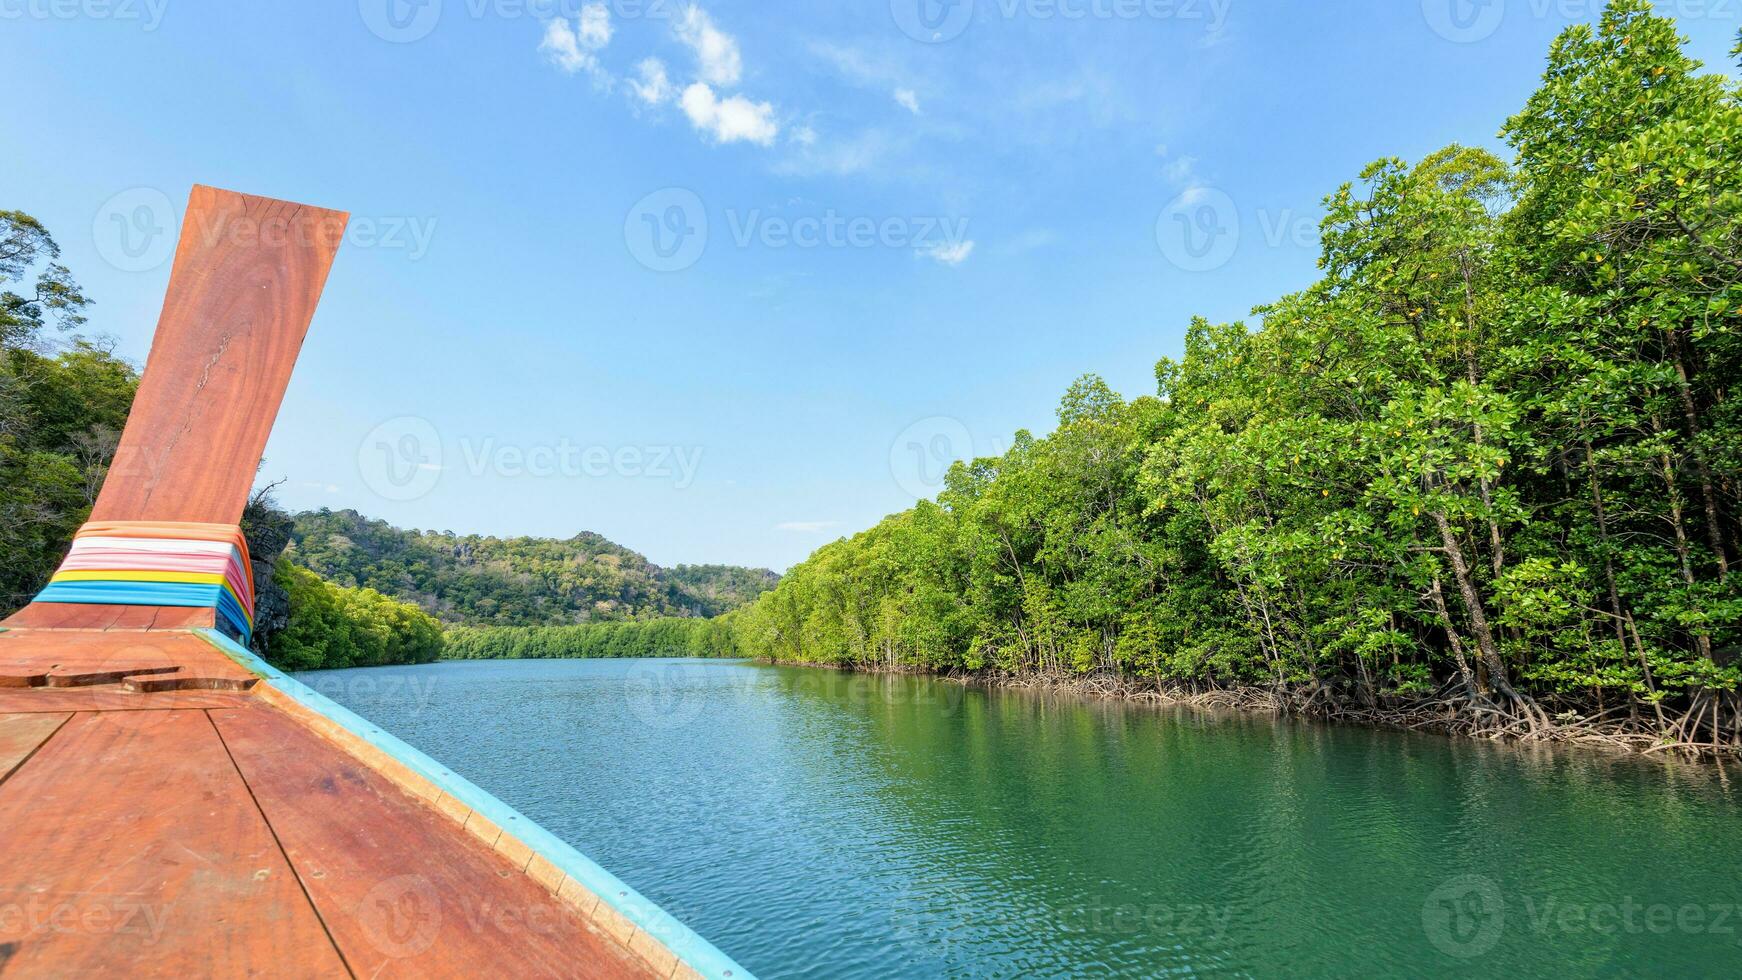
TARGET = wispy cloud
(574,47)
(717,57)
(860,153)
(652,85)
(906,98)
(950,253)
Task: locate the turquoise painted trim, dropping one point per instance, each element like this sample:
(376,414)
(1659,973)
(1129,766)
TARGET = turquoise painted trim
(689,947)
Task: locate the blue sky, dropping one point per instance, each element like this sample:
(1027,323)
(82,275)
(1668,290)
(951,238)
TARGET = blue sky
(726,282)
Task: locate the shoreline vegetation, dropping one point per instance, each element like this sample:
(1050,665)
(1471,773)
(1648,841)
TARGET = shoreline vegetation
(1443,716)
(1484,476)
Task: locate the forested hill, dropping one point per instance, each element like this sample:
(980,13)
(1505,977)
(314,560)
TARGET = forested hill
(485,581)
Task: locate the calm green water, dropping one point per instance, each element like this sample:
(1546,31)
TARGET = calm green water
(815,824)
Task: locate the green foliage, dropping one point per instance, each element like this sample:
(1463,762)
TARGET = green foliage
(641,638)
(62,406)
(332,626)
(484,581)
(1495,446)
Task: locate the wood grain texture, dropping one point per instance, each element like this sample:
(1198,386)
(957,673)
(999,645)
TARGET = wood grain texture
(86,616)
(69,670)
(134,849)
(248,274)
(21,734)
(40,700)
(403,890)
(70,652)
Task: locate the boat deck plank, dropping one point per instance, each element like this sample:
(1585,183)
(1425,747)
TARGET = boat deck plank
(20,734)
(133,847)
(209,833)
(403,894)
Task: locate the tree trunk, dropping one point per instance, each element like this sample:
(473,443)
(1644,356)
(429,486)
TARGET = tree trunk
(1485,644)
(1708,491)
(1603,535)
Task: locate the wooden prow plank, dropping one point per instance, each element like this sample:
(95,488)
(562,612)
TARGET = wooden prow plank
(248,273)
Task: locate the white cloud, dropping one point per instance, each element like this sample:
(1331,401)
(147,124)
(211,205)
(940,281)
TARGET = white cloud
(806,527)
(717,56)
(950,253)
(595,25)
(730,119)
(654,86)
(836,156)
(573,49)
(905,98)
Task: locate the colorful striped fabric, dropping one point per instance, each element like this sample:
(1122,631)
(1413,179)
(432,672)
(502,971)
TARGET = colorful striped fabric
(157,563)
